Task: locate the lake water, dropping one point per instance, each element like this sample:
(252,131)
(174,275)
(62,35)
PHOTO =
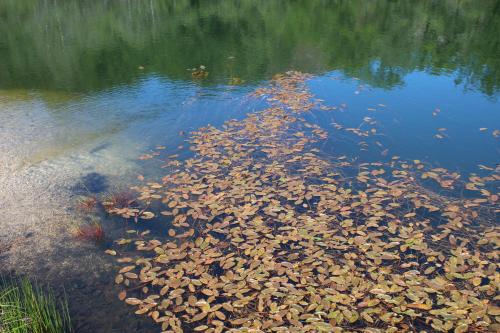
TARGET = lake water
(88,87)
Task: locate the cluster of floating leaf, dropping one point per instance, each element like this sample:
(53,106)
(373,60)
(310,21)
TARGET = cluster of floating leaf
(199,73)
(266,235)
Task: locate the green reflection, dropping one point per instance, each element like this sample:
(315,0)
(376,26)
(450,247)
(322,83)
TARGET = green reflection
(90,45)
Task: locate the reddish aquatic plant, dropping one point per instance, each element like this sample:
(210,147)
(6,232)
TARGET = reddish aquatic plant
(87,204)
(121,199)
(90,232)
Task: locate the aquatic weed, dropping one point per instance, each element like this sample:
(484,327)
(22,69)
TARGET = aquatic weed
(119,199)
(90,232)
(26,308)
(87,204)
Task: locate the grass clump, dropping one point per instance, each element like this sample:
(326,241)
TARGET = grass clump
(26,308)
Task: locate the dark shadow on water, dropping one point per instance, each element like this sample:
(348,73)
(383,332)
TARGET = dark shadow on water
(91,183)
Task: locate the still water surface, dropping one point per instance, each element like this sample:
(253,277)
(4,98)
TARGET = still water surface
(87,87)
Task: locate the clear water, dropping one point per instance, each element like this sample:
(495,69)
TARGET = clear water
(87,87)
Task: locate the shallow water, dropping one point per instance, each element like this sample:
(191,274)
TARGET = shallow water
(86,88)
